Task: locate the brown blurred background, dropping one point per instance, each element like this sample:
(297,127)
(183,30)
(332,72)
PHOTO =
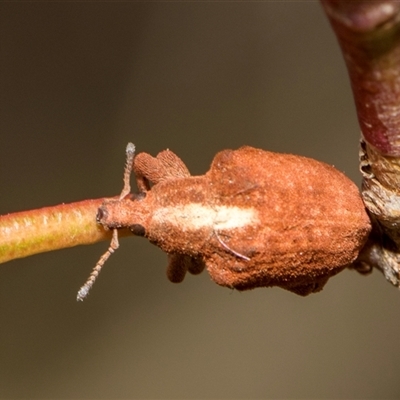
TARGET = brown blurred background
(80,80)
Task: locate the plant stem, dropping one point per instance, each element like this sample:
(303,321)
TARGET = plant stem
(369,36)
(51,228)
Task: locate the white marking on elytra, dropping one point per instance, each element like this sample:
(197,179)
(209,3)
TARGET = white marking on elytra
(195,216)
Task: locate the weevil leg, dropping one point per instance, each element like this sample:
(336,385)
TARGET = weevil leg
(172,166)
(148,169)
(177,267)
(307,288)
(84,290)
(179,264)
(196,265)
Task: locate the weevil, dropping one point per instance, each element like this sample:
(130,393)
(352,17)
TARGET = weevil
(255,219)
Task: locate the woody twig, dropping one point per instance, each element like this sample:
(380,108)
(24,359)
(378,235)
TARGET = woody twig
(369,36)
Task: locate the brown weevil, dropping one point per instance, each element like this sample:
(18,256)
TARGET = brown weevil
(256,218)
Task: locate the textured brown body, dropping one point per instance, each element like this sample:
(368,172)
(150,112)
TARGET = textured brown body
(256,218)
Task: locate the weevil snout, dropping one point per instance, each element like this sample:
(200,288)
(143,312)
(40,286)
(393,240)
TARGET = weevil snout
(106,213)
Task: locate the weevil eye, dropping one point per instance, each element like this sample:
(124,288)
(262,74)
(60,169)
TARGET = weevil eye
(101,214)
(139,196)
(137,229)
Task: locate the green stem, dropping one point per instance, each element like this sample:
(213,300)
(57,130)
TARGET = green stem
(51,228)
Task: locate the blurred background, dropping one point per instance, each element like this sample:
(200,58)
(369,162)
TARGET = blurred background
(80,80)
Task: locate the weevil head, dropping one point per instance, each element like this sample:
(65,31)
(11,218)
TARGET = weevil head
(131,212)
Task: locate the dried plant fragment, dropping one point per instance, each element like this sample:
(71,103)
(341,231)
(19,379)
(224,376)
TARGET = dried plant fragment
(381,195)
(256,218)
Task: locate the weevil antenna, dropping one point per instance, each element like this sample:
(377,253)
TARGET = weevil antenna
(84,290)
(130,155)
(224,245)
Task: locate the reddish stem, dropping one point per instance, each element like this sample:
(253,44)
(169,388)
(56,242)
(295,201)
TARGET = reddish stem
(369,35)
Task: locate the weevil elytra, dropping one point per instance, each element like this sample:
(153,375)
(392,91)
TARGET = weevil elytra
(256,218)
